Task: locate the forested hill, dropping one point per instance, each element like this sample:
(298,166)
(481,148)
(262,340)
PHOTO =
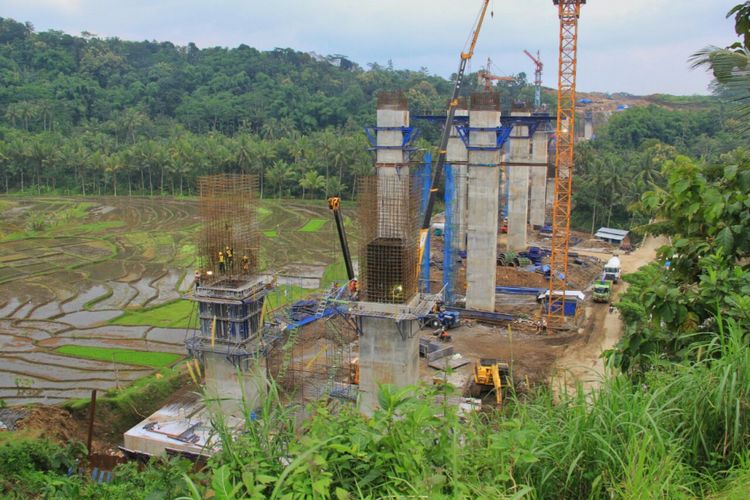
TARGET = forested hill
(55,81)
(86,115)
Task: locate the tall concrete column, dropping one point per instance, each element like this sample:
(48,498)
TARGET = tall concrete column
(388,342)
(538,177)
(388,354)
(457,156)
(588,124)
(483,190)
(518,177)
(391,158)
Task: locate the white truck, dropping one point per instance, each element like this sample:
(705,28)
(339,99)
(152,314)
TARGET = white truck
(612,270)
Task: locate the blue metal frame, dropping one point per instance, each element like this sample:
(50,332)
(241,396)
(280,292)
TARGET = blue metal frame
(409,135)
(441,119)
(503,133)
(533,122)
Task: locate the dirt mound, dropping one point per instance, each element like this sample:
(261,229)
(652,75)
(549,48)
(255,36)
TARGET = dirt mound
(594,243)
(59,425)
(512,276)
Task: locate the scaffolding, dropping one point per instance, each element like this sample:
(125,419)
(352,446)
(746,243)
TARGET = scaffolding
(423,175)
(229,294)
(229,243)
(317,361)
(389,206)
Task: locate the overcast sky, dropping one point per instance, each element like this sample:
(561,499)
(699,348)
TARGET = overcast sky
(636,46)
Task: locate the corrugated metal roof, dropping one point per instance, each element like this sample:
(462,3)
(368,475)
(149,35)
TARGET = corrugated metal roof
(612,230)
(611,234)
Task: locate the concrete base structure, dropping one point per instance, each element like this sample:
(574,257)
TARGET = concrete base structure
(231,390)
(538,178)
(518,200)
(388,354)
(483,193)
(183,426)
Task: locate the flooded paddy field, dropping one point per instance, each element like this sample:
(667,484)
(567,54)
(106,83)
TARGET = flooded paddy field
(110,273)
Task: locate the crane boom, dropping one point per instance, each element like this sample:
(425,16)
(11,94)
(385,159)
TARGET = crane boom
(334,203)
(485,76)
(569,12)
(450,115)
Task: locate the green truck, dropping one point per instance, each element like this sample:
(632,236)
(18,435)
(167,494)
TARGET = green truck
(602,291)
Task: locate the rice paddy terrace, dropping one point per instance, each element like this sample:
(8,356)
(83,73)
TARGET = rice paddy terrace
(90,288)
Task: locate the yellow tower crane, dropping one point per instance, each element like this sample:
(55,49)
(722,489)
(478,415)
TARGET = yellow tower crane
(569,12)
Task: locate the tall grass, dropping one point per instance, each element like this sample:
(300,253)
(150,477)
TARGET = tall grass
(683,431)
(676,435)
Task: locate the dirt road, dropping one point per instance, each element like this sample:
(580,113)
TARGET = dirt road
(581,362)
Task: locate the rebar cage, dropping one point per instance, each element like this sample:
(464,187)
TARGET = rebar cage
(389,205)
(229,243)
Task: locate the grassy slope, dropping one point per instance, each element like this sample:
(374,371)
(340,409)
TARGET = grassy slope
(174,314)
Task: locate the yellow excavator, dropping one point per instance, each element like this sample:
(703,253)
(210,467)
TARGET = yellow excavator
(491,374)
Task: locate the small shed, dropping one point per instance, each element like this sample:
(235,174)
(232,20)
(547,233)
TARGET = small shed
(611,235)
(573,302)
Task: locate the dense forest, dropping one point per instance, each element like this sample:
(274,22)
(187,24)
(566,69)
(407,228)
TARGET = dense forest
(89,116)
(85,115)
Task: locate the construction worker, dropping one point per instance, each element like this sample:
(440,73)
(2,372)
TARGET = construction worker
(222,264)
(229,257)
(245,264)
(397,293)
(197,279)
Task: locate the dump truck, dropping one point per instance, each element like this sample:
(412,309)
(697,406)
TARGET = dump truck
(602,291)
(612,270)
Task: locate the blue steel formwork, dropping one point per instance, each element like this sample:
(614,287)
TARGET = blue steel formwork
(424,174)
(450,245)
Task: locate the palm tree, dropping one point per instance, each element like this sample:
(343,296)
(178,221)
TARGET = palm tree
(244,151)
(263,154)
(113,163)
(312,181)
(280,174)
(731,65)
(13,113)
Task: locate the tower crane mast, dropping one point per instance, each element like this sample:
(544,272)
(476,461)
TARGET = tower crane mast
(569,12)
(538,67)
